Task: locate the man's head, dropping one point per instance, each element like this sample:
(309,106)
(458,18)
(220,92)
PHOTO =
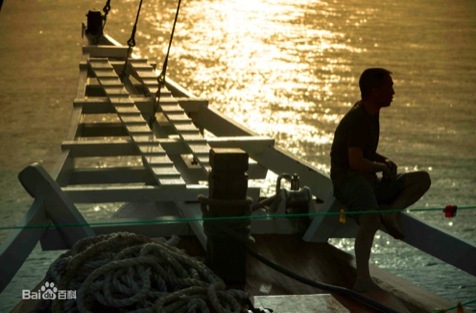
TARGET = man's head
(376,85)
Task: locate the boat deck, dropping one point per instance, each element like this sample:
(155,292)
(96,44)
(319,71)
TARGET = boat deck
(324,263)
(317,261)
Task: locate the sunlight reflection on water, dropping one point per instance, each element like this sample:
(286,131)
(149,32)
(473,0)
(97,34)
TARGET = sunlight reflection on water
(265,70)
(263,61)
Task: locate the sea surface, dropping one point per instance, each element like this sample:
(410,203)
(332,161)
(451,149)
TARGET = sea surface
(289,70)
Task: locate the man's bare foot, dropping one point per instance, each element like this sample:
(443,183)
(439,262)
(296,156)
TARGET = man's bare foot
(366,285)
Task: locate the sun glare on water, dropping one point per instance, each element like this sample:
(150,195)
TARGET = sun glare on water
(265,68)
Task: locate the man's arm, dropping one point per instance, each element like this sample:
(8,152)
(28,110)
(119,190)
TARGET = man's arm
(393,167)
(380,158)
(357,162)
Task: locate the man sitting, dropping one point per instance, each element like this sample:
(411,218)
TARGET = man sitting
(355,162)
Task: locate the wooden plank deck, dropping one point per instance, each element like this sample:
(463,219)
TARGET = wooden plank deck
(300,303)
(324,263)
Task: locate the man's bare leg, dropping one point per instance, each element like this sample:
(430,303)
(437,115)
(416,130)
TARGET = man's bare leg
(416,184)
(368,226)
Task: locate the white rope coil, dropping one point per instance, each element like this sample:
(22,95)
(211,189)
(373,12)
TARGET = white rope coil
(134,273)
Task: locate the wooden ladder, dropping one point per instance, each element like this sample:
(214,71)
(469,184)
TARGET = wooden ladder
(155,157)
(173,112)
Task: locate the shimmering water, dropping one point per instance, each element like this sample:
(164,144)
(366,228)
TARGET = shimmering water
(289,69)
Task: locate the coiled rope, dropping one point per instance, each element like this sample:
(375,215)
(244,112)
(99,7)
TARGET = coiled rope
(134,273)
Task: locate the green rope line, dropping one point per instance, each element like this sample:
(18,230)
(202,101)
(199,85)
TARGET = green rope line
(228,218)
(454,307)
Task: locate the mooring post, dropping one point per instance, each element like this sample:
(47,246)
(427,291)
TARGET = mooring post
(228,231)
(94,26)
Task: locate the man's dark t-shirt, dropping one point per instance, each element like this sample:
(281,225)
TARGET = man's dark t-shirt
(357,129)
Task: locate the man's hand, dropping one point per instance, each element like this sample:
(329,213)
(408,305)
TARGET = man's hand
(391,173)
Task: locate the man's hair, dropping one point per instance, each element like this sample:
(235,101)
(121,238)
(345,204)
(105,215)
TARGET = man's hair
(370,79)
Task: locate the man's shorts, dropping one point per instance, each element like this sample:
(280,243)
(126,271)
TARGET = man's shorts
(360,193)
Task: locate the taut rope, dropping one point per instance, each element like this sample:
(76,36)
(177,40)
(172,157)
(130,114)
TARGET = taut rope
(106,10)
(161,77)
(131,43)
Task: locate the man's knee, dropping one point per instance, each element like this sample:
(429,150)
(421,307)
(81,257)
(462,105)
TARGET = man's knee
(420,180)
(424,180)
